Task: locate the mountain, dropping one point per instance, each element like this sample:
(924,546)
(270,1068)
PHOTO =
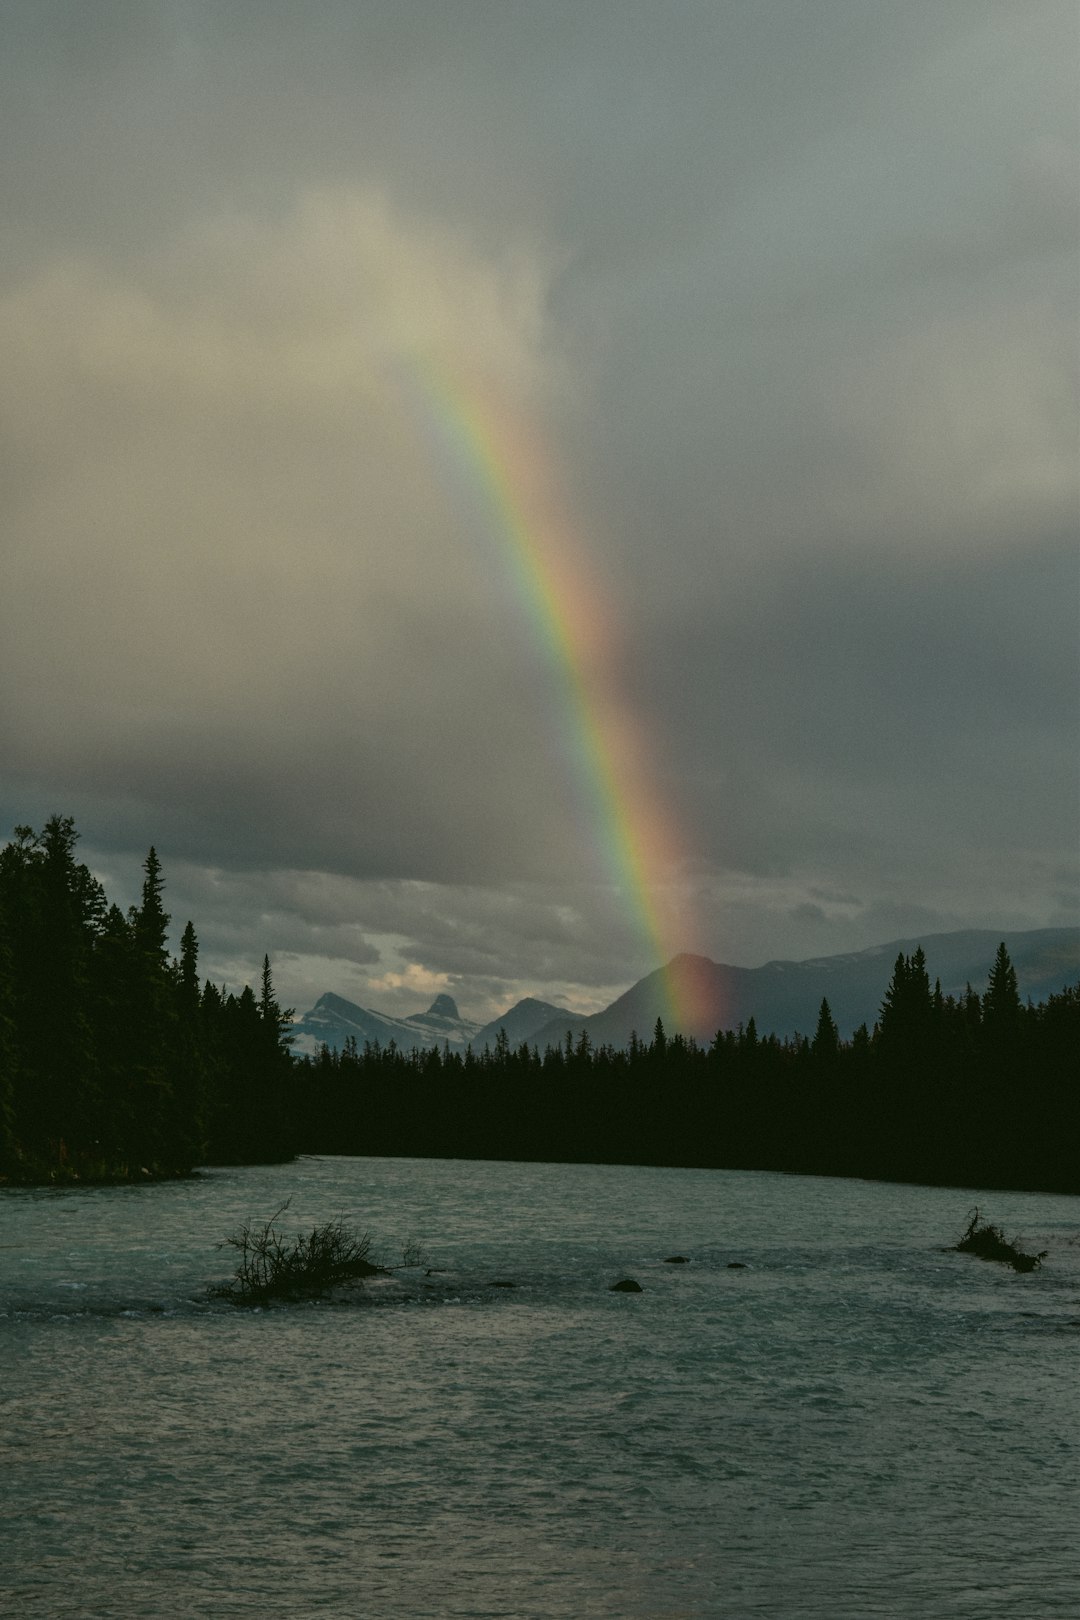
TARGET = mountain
(333,1020)
(442,1021)
(521,1023)
(784,997)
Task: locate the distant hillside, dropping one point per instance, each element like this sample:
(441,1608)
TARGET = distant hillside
(783,998)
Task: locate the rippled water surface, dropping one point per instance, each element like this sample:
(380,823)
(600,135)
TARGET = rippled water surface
(854,1424)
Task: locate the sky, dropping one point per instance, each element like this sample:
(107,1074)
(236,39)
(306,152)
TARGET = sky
(500,492)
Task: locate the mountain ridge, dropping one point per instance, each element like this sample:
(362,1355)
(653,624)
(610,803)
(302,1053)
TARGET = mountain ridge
(783,996)
(334,1019)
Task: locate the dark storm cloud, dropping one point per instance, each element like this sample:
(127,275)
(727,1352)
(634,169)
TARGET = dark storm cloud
(930,679)
(790,293)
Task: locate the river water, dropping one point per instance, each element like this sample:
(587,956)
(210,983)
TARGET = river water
(853,1424)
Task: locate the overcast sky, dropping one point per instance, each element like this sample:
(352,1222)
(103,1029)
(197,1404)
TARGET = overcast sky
(782,297)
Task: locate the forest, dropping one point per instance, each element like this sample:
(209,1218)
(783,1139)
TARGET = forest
(116,1063)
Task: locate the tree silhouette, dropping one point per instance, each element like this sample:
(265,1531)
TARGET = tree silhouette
(1001,1005)
(826,1043)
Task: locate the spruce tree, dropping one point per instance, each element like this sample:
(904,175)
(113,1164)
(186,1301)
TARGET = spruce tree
(66,912)
(1001,1005)
(152,920)
(826,1042)
(188,1104)
(153,1020)
(188,981)
(276,1018)
(115,983)
(906,1014)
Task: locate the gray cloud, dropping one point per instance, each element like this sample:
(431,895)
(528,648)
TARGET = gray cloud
(785,299)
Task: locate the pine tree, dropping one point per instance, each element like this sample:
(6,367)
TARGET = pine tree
(276,1018)
(115,990)
(188,1102)
(1001,1005)
(152,920)
(908,1115)
(252,1118)
(65,909)
(907,1011)
(188,982)
(826,1042)
(155,1141)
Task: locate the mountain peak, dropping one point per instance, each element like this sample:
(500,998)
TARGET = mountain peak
(443,1007)
(338,1005)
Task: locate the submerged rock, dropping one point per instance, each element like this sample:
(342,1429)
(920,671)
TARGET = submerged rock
(626,1286)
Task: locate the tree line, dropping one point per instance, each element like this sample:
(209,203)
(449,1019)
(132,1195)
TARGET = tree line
(115,1062)
(972,1090)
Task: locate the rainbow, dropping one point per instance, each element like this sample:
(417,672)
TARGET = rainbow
(505,465)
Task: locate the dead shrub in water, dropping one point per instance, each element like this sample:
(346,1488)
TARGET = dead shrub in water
(990,1243)
(272,1266)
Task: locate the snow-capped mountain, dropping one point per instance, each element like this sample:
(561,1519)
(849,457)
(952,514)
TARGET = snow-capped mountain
(333,1020)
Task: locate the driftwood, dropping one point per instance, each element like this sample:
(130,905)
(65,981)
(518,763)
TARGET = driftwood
(272,1266)
(990,1243)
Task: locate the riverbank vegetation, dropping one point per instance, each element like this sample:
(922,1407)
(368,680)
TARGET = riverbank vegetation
(115,1063)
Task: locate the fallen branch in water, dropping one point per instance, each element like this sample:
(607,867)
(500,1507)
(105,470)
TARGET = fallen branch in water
(272,1266)
(990,1243)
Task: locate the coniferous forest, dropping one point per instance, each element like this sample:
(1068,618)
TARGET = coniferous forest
(115,1062)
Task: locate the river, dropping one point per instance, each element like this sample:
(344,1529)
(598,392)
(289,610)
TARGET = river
(823,1413)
